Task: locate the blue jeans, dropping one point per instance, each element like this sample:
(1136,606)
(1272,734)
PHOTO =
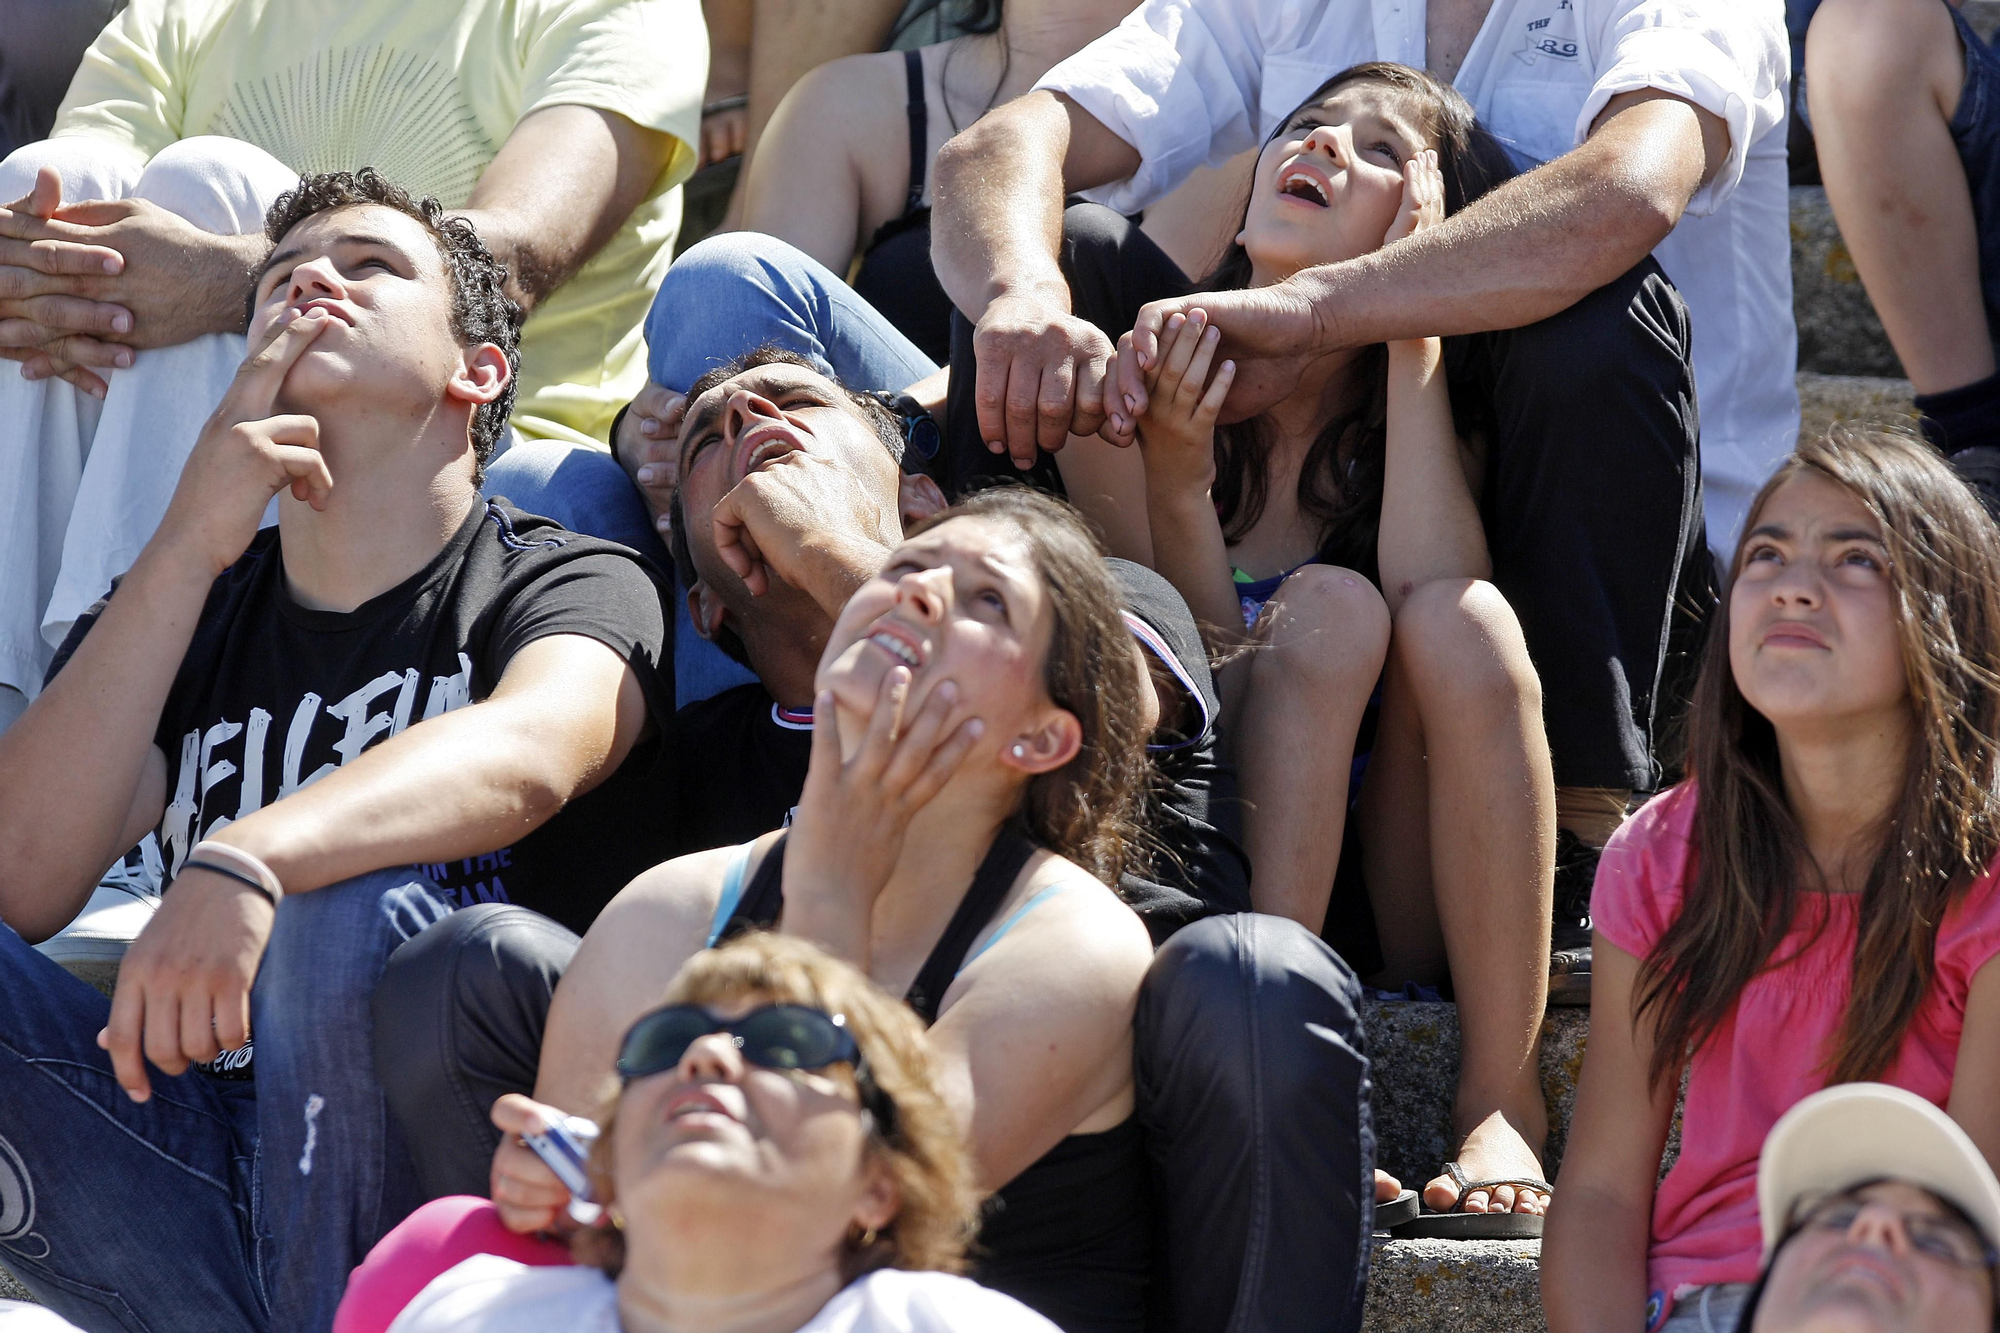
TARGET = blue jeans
(728,295)
(216,1206)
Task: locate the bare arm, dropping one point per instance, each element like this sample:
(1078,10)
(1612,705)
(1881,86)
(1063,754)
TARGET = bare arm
(1975,1084)
(814,190)
(1594,1253)
(788,38)
(1523,252)
(80,777)
(562,718)
(995,230)
(558,189)
(1034,1040)
(1430,526)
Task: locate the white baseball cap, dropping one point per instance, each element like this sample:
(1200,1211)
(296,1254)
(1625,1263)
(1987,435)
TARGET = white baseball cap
(1852,1133)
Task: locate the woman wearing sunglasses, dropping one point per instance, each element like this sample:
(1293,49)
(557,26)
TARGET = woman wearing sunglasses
(777,1157)
(977,762)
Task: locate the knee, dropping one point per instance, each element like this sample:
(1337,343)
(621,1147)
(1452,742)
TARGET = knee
(1459,641)
(90,168)
(1859,52)
(1328,623)
(1223,975)
(1093,230)
(769,289)
(220,185)
(724,263)
(333,942)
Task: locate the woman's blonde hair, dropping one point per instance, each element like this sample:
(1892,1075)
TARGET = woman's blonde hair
(923,1149)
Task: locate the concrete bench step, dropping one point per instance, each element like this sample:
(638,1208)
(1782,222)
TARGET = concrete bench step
(1464,1286)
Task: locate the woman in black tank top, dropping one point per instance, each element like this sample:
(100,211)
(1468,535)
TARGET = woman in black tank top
(977,761)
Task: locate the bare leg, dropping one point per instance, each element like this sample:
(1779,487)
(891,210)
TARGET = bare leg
(1461,747)
(1883,79)
(1292,705)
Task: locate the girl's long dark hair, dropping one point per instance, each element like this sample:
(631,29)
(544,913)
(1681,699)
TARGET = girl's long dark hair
(1340,483)
(1750,864)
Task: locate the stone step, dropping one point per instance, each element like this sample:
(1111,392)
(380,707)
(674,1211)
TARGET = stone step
(1825,399)
(10,1290)
(1461,1286)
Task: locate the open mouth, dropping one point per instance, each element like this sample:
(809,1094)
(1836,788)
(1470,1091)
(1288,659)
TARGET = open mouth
(696,1103)
(898,645)
(1297,183)
(768,445)
(328,307)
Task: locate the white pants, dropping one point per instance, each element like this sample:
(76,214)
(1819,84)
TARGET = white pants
(84,483)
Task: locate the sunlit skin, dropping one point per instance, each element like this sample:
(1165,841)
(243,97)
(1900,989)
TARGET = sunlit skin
(1874,1276)
(1812,623)
(965,600)
(767,1162)
(374,278)
(1353,145)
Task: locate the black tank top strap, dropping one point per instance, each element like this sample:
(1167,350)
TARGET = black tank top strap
(997,873)
(920,133)
(763,897)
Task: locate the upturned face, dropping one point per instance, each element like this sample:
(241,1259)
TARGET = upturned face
(388,347)
(1887,1258)
(1329,183)
(961,602)
(1813,637)
(715,1131)
(774,416)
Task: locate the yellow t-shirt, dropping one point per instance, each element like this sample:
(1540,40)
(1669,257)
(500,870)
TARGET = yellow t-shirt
(427,91)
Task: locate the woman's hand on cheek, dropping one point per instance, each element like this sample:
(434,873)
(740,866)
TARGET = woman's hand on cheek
(1177,430)
(854,813)
(1423,197)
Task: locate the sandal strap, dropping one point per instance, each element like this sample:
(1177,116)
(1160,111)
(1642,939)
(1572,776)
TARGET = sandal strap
(1465,1186)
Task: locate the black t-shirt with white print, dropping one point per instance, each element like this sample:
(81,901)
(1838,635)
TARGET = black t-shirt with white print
(272,696)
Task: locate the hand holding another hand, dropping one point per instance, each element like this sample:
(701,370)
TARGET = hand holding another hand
(1040,377)
(1271,333)
(1176,431)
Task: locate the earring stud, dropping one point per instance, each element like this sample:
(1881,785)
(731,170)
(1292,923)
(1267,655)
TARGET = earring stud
(1020,752)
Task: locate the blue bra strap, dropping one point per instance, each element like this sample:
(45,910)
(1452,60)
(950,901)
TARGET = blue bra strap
(732,892)
(1015,920)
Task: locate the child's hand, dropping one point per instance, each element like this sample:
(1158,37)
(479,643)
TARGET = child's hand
(1177,430)
(1423,197)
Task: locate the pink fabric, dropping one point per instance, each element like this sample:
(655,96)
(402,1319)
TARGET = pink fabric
(1767,1055)
(436,1238)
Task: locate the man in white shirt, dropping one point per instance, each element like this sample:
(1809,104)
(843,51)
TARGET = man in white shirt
(1649,133)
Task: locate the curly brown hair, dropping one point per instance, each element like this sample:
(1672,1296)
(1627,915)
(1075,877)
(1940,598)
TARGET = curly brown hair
(481,310)
(924,1149)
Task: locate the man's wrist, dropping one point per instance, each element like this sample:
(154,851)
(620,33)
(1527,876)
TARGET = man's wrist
(835,567)
(1322,293)
(1048,288)
(230,276)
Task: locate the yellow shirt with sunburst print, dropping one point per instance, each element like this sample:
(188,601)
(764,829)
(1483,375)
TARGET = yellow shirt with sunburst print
(427,91)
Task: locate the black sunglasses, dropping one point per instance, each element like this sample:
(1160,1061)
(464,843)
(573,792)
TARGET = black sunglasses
(772,1036)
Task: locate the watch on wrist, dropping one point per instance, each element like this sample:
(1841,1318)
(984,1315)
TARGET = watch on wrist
(921,434)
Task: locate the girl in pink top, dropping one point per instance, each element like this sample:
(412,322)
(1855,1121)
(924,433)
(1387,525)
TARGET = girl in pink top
(1816,904)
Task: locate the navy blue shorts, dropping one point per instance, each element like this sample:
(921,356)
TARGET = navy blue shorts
(1975,128)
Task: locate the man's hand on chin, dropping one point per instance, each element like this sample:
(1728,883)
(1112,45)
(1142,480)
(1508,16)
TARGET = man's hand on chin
(809,522)
(84,285)
(184,988)
(245,455)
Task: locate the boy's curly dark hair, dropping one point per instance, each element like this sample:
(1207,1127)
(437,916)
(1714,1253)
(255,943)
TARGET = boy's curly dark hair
(481,310)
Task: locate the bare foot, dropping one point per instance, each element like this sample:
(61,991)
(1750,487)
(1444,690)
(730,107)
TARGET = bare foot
(1387,1187)
(1494,1150)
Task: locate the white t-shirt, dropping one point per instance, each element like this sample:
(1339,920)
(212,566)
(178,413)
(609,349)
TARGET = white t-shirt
(1189,82)
(489,1294)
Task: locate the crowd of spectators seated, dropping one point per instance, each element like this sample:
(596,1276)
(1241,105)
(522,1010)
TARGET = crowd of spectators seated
(858,772)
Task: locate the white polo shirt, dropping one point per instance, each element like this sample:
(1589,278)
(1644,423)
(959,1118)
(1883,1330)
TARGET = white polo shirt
(1189,82)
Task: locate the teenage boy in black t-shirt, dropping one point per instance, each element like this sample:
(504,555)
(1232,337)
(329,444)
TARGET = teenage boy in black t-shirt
(401,700)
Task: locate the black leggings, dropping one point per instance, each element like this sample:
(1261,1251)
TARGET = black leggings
(1592,502)
(1251,1072)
